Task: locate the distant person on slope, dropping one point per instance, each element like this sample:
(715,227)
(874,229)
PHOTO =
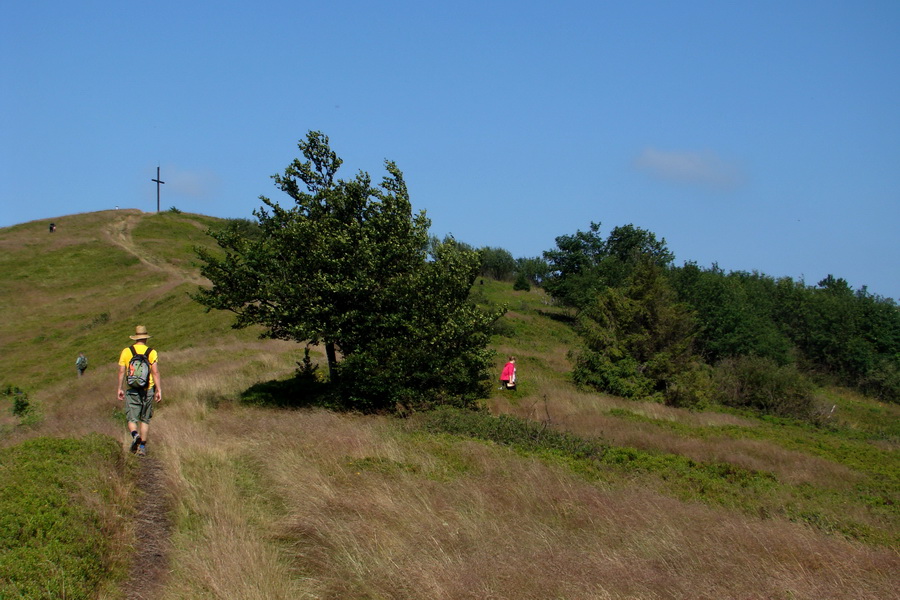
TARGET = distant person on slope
(81,363)
(508,376)
(138,385)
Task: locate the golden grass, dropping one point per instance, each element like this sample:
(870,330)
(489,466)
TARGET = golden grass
(314,504)
(589,415)
(349,507)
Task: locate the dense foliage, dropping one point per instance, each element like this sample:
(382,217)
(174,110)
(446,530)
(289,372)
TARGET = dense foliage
(584,264)
(350,266)
(638,339)
(533,269)
(687,334)
(827,330)
(497,263)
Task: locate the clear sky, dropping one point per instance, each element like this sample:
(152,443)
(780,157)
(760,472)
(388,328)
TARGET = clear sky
(759,135)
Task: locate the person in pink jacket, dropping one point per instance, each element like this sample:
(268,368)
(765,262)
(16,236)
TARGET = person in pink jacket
(508,376)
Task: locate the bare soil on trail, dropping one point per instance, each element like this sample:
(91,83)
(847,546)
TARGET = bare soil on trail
(153,528)
(119,233)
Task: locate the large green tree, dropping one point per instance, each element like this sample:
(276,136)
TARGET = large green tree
(638,341)
(349,265)
(584,264)
(497,263)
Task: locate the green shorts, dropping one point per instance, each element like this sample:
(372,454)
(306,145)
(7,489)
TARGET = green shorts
(139,405)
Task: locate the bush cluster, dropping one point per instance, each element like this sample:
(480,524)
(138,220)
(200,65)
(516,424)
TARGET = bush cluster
(761,384)
(21,406)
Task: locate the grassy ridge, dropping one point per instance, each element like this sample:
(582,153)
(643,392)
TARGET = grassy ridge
(614,499)
(85,287)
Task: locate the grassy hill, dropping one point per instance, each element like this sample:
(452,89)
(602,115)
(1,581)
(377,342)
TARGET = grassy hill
(581,496)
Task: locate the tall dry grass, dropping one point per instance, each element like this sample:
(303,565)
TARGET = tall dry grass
(313,504)
(589,415)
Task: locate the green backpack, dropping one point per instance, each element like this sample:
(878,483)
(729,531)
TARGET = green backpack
(137,373)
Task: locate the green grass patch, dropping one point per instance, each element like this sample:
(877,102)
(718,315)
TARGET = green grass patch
(852,448)
(753,492)
(171,237)
(52,543)
(527,436)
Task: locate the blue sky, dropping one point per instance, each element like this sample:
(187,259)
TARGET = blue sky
(758,135)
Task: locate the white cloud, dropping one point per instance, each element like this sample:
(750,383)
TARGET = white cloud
(692,168)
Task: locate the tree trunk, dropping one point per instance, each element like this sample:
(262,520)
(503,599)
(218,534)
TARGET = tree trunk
(332,360)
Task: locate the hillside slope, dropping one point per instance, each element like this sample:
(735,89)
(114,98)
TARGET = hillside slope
(279,503)
(84,286)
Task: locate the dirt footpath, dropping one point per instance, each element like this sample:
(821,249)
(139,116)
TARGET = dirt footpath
(150,564)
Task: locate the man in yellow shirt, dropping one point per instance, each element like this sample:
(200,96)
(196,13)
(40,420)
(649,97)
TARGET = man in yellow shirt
(138,398)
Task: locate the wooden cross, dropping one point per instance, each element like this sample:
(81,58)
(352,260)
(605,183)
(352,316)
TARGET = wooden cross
(158,181)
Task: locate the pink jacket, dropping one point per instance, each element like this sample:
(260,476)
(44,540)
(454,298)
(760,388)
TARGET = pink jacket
(509,372)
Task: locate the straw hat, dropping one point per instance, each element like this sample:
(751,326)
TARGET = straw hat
(140,333)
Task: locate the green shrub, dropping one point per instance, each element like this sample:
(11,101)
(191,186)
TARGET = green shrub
(503,328)
(637,339)
(692,388)
(21,406)
(763,385)
(883,381)
(521,284)
(511,431)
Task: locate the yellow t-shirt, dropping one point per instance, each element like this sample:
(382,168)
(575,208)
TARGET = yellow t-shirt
(125,358)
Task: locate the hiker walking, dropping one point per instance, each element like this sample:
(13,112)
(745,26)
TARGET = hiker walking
(81,363)
(508,375)
(138,386)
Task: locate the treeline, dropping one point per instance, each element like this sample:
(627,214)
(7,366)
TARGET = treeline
(689,335)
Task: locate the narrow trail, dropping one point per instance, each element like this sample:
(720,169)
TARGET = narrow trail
(150,563)
(119,233)
(153,524)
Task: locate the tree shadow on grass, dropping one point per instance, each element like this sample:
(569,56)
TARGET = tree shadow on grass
(296,392)
(306,388)
(557,316)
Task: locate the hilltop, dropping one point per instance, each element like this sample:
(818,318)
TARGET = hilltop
(597,498)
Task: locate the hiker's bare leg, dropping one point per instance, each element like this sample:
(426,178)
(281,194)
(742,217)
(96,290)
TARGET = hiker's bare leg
(144,431)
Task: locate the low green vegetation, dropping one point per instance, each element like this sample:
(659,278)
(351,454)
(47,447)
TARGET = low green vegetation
(54,542)
(23,410)
(713,482)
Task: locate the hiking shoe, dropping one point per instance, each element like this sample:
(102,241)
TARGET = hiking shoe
(141,451)
(135,442)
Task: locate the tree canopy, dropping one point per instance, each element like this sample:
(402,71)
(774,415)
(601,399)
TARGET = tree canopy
(584,264)
(349,265)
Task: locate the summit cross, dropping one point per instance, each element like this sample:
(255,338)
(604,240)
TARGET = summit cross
(158,181)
